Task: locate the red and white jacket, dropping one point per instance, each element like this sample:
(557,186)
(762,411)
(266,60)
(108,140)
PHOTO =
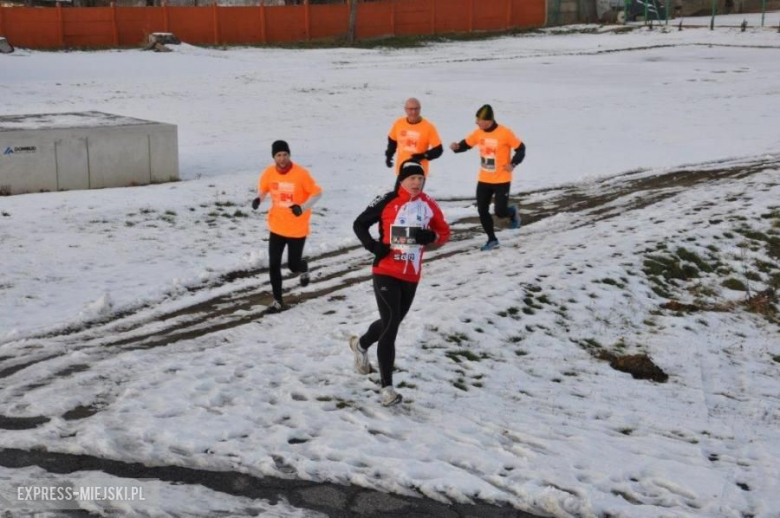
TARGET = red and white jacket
(399,217)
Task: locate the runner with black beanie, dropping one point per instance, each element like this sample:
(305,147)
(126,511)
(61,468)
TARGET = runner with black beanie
(409,221)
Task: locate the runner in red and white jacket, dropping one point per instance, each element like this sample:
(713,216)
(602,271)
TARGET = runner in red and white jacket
(409,221)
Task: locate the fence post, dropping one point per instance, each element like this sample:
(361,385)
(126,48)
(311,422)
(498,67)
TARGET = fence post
(114,23)
(2,22)
(471,15)
(60,26)
(166,24)
(262,23)
(508,14)
(392,17)
(215,17)
(352,23)
(307,19)
(433,16)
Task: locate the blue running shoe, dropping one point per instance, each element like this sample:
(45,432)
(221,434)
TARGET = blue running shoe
(514,218)
(490,245)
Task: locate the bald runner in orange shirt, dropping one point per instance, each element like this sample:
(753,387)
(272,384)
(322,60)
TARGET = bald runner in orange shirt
(413,137)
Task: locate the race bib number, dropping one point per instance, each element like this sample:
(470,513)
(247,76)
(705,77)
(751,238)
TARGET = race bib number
(411,141)
(403,239)
(282,194)
(487,155)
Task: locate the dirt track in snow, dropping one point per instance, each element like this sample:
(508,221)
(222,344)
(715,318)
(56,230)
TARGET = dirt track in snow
(154,325)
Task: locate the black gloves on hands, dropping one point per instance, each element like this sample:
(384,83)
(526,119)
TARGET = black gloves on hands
(419,157)
(389,160)
(255,203)
(381,250)
(425,236)
(297,210)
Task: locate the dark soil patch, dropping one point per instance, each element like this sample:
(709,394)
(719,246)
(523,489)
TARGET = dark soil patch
(674,305)
(80,412)
(763,302)
(640,366)
(21,423)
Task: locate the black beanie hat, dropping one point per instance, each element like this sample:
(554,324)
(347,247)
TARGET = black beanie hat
(279,145)
(485,113)
(409,168)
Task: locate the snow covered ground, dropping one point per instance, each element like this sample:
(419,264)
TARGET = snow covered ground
(501,359)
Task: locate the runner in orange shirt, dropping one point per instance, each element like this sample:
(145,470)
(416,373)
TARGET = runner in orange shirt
(495,174)
(293,193)
(413,137)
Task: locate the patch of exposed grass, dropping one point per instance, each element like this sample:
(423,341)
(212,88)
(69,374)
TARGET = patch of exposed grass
(692,257)
(462,353)
(460,385)
(669,268)
(764,266)
(589,344)
(457,338)
(734,284)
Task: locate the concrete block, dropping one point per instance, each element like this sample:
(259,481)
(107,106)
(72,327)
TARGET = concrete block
(73,163)
(5,46)
(85,150)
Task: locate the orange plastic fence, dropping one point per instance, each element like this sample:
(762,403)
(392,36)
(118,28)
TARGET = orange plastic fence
(95,27)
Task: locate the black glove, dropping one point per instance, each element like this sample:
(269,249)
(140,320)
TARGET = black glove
(419,157)
(389,160)
(297,210)
(425,236)
(381,250)
(255,203)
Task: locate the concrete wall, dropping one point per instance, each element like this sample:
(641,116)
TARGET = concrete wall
(52,152)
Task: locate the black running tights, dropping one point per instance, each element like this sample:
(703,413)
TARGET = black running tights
(394,298)
(485,192)
(276,244)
